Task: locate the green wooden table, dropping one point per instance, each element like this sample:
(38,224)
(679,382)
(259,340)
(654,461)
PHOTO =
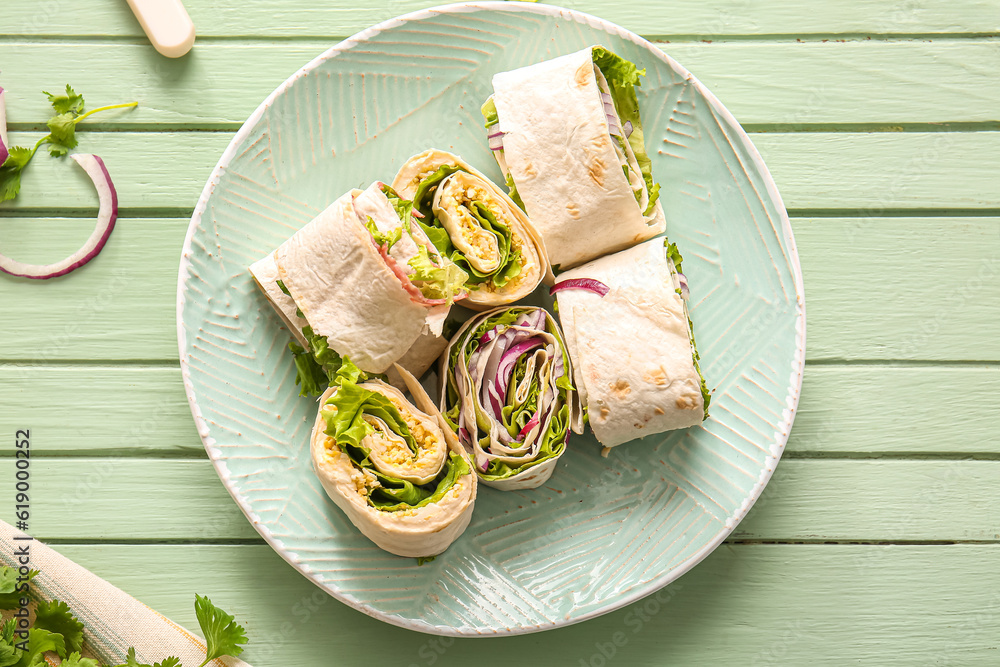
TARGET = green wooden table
(878,539)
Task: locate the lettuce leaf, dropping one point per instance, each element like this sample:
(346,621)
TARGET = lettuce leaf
(623,76)
(510,262)
(346,424)
(320,367)
(489,111)
(436,282)
(513,419)
(674,255)
(383,239)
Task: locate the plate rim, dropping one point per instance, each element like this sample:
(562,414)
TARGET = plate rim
(798,363)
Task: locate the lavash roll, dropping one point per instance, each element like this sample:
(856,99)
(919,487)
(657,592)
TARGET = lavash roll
(474,249)
(634,361)
(334,278)
(567,167)
(507,393)
(402,529)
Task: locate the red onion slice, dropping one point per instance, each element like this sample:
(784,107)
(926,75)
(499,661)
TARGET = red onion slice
(106,217)
(589,284)
(628,129)
(532,423)
(685,291)
(496,141)
(3,128)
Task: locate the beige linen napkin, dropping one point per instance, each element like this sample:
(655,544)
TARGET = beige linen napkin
(113,619)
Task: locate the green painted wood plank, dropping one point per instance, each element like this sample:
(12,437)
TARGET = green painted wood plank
(863,301)
(811,499)
(744,605)
(761,83)
(845,411)
(874,172)
(920,410)
(868,283)
(119,306)
(124,410)
(685,17)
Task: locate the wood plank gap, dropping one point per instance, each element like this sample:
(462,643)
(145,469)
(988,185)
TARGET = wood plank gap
(871,213)
(185,212)
(890,456)
(871,543)
(750,128)
(233,541)
(90,363)
(87,212)
(942,126)
(823,37)
(195,453)
(908,363)
(105,126)
(326,41)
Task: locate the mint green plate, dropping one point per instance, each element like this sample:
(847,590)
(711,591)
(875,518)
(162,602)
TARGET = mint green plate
(604,532)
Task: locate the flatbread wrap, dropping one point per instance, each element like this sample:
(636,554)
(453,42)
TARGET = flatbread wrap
(507,393)
(568,138)
(360,281)
(476,225)
(391,469)
(631,340)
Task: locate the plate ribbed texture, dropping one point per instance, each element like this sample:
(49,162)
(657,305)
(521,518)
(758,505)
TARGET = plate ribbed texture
(603,532)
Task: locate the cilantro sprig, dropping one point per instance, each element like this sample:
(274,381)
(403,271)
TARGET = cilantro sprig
(56,629)
(69,112)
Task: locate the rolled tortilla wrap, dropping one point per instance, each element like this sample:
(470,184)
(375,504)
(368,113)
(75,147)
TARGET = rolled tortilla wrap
(634,358)
(389,467)
(507,394)
(351,274)
(568,137)
(476,225)
(265,274)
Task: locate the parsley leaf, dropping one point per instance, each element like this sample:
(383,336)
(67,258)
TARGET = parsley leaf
(74,660)
(62,130)
(40,641)
(172,661)
(10,597)
(57,617)
(19,157)
(222,633)
(9,654)
(61,138)
(70,102)
(130,660)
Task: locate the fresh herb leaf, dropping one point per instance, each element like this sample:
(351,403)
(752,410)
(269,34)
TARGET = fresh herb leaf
(62,130)
(10,597)
(61,138)
(19,157)
(70,102)
(75,660)
(131,661)
(9,653)
(10,172)
(40,641)
(222,633)
(172,661)
(57,617)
